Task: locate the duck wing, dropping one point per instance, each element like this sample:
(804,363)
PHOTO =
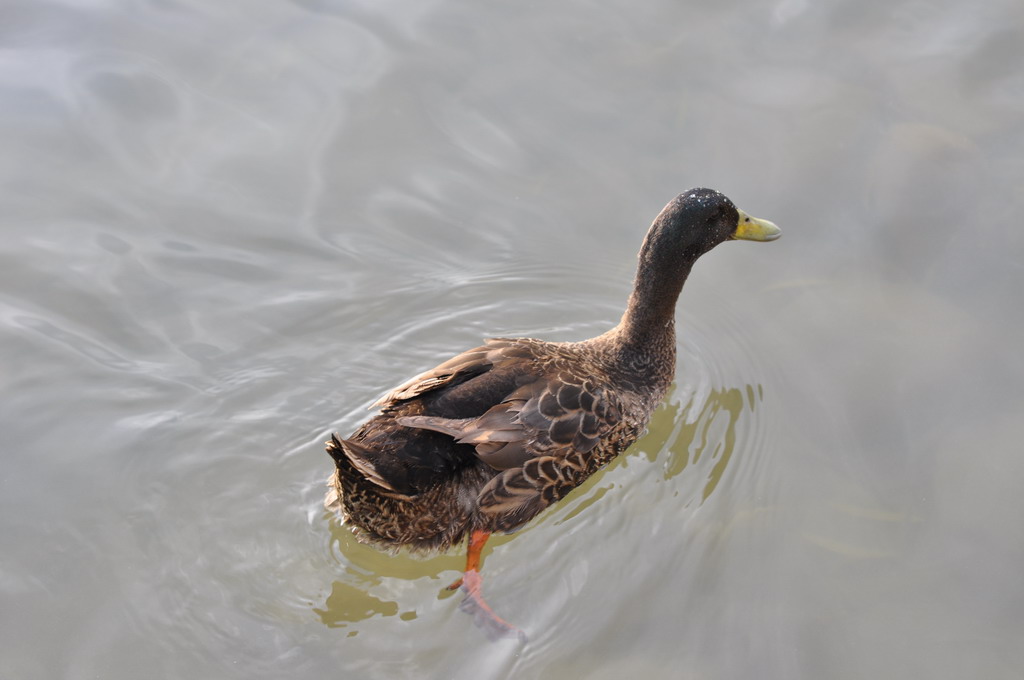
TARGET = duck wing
(461,368)
(405,461)
(540,437)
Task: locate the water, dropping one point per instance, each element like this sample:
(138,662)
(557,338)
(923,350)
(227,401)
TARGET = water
(228,229)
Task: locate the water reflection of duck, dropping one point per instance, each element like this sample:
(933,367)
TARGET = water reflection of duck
(491,437)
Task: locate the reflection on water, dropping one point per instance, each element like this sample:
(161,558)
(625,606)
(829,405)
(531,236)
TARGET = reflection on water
(713,429)
(701,435)
(366,568)
(348,604)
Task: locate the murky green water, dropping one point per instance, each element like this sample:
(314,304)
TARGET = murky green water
(228,228)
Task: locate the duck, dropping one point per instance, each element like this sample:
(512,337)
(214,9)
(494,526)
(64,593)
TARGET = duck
(490,438)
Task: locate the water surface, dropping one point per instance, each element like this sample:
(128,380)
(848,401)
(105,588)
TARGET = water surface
(229,228)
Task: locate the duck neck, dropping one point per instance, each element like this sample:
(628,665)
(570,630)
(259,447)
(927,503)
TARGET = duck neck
(649,321)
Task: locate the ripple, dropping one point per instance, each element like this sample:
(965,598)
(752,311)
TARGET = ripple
(707,440)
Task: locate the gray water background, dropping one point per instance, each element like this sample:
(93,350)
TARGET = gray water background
(227,228)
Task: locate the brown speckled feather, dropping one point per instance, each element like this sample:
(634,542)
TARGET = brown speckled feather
(539,434)
(544,417)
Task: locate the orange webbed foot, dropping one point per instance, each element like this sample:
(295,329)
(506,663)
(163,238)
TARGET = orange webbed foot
(483,616)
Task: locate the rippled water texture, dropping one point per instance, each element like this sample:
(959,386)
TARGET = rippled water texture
(229,227)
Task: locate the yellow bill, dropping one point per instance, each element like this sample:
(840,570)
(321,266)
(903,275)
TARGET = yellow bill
(752,229)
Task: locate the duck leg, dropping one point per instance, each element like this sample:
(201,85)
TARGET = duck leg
(472,583)
(475,547)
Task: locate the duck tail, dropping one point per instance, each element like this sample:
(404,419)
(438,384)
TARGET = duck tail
(336,450)
(355,460)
